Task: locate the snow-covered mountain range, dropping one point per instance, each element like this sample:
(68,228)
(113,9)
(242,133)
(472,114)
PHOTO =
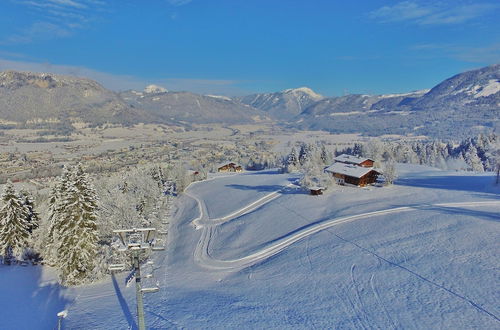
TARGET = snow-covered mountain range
(283,105)
(461,105)
(190,108)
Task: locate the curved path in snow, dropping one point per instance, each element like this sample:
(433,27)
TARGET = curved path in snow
(203,221)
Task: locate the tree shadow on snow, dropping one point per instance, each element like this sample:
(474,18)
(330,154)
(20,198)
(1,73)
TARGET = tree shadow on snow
(476,213)
(25,302)
(480,184)
(267,188)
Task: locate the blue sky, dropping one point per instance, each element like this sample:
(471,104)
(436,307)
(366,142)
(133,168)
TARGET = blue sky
(236,47)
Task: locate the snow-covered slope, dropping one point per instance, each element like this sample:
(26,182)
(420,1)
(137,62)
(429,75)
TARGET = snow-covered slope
(190,108)
(476,88)
(44,97)
(252,251)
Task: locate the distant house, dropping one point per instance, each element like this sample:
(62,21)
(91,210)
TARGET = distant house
(353,170)
(230,167)
(354,160)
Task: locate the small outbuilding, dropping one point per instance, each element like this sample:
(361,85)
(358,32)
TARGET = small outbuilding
(230,167)
(316,191)
(352,174)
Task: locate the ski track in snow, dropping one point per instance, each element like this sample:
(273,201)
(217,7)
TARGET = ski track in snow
(202,252)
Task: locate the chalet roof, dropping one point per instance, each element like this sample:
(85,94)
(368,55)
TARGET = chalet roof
(228,163)
(350,159)
(349,170)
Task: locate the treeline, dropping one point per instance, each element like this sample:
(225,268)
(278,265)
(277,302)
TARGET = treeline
(71,226)
(480,153)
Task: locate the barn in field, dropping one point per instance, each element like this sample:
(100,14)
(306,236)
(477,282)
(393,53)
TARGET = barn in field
(230,167)
(354,160)
(353,171)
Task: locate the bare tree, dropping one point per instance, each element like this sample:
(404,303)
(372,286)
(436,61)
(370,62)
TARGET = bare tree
(389,172)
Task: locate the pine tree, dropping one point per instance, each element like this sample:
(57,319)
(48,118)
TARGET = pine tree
(33,217)
(14,225)
(291,162)
(56,215)
(473,160)
(77,232)
(324,155)
(357,149)
(305,153)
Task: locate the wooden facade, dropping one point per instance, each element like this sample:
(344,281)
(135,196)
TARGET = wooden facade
(368,178)
(366,163)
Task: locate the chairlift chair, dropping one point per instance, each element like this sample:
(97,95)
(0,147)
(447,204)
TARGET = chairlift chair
(150,290)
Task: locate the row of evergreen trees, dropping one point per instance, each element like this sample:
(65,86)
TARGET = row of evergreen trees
(74,231)
(70,244)
(480,153)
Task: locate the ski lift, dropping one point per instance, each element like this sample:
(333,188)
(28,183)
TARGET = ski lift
(158,248)
(162,232)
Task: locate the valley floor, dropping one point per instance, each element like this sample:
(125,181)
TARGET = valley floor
(253,251)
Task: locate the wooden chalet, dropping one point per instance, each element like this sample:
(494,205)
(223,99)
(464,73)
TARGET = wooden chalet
(352,174)
(230,167)
(354,160)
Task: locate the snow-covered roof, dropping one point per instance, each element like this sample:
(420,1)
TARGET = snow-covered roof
(227,163)
(344,158)
(349,170)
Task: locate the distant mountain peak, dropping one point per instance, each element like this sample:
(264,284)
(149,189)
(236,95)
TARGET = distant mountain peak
(154,89)
(304,90)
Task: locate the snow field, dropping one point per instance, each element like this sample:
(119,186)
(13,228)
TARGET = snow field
(260,254)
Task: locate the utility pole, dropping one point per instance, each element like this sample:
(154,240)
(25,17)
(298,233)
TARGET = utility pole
(137,240)
(138,291)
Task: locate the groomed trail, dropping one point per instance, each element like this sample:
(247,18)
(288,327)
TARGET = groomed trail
(203,221)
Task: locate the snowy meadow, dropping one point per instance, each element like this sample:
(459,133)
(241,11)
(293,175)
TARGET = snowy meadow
(254,250)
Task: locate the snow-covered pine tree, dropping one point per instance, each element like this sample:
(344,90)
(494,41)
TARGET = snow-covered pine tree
(14,225)
(33,219)
(305,153)
(290,162)
(324,155)
(472,159)
(56,216)
(76,253)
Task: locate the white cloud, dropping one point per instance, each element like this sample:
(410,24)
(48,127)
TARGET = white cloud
(38,31)
(434,13)
(489,54)
(178,2)
(54,19)
(69,3)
